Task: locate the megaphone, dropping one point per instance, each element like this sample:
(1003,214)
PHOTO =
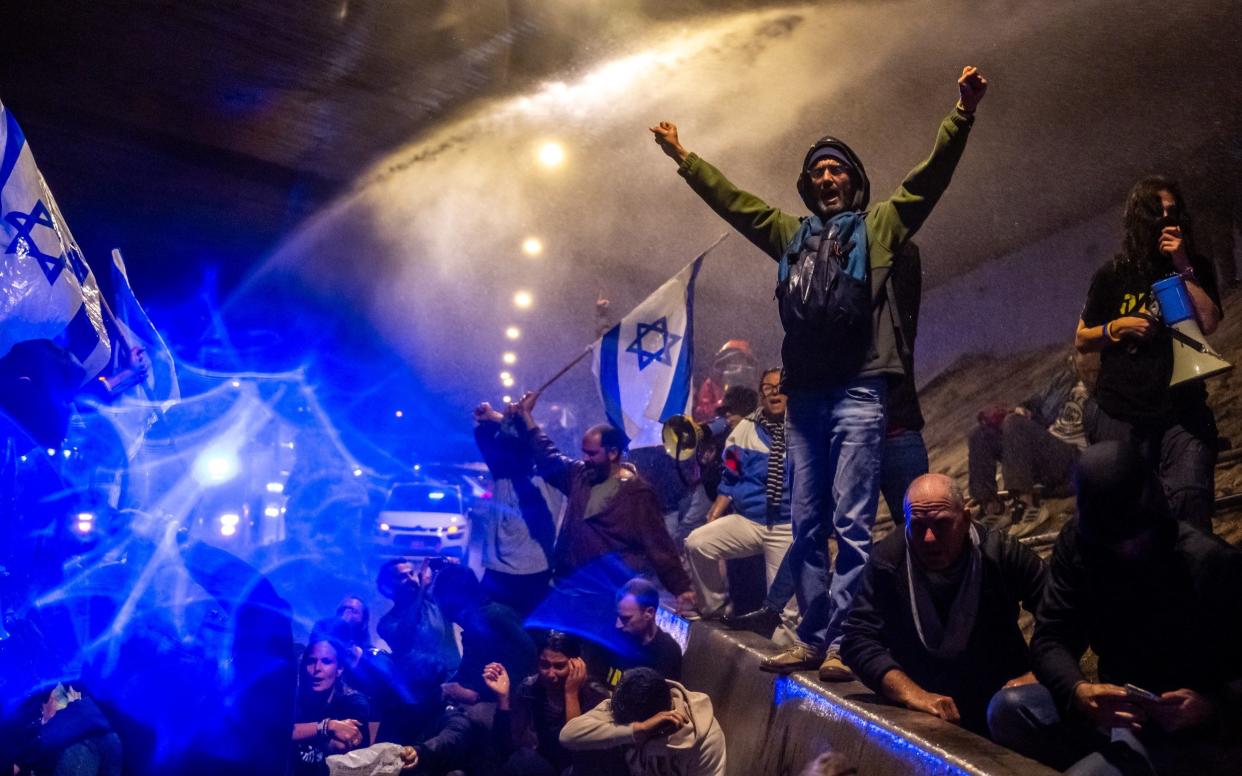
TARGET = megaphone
(681,437)
(1193,358)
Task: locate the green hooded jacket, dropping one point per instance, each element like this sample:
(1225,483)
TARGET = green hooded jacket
(890,224)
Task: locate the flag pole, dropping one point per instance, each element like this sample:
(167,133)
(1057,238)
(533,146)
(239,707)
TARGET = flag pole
(586,352)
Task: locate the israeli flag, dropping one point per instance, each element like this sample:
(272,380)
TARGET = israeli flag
(138,332)
(645,362)
(47,290)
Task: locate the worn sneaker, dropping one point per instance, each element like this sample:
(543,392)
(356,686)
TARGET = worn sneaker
(833,669)
(762,621)
(799,657)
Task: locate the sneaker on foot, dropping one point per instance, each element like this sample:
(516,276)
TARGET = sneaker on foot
(799,657)
(833,669)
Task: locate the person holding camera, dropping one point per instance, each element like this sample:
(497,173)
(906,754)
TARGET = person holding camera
(414,624)
(1173,426)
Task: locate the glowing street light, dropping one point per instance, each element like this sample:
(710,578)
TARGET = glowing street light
(551,154)
(399,414)
(513,332)
(507,399)
(532,246)
(523,299)
(216,465)
(509,358)
(507,382)
(505,376)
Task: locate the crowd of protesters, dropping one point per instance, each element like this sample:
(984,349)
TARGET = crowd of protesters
(554,661)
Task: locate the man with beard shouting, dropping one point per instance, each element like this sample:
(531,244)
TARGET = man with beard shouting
(612,530)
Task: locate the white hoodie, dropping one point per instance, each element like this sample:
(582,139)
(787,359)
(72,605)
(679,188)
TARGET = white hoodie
(698,749)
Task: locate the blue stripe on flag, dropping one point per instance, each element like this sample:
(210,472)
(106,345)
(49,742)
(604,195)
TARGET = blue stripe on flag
(80,337)
(679,389)
(609,381)
(14,140)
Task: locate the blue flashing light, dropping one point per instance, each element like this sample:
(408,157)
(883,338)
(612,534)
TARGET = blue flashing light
(215,466)
(435,495)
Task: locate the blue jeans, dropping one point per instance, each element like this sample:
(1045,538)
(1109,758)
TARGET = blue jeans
(905,458)
(834,441)
(1026,720)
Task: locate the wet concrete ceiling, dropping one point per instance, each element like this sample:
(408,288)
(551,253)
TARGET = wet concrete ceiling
(204,134)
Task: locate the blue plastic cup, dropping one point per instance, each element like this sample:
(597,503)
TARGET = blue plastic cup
(1174,300)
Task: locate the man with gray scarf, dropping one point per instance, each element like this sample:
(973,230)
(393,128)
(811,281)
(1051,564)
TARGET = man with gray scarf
(935,624)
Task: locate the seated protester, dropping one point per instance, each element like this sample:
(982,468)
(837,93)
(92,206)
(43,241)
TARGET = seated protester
(1157,601)
(371,672)
(72,737)
(663,727)
(490,633)
(935,623)
(355,612)
(643,644)
(527,727)
(415,623)
(1035,443)
(329,716)
(440,733)
(755,486)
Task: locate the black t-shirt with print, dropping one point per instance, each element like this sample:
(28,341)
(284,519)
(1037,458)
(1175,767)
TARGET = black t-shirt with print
(308,754)
(663,654)
(1134,375)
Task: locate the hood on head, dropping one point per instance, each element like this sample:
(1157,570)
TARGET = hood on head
(695,705)
(862,186)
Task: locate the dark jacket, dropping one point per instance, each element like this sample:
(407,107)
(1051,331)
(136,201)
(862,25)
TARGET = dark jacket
(508,458)
(1172,623)
(446,745)
(416,625)
(630,526)
(492,633)
(890,224)
(880,633)
(536,720)
(77,740)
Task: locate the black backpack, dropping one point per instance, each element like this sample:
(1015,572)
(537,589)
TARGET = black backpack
(826,313)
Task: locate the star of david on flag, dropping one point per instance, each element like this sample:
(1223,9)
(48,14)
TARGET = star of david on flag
(653,343)
(645,362)
(50,292)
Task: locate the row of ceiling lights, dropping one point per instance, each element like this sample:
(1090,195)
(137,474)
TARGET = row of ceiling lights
(550,154)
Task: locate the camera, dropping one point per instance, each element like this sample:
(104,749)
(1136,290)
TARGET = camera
(436,563)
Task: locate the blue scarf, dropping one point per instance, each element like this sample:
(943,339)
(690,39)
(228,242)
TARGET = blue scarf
(847,228)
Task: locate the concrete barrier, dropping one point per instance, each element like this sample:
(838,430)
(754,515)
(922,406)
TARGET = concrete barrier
(775,725)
